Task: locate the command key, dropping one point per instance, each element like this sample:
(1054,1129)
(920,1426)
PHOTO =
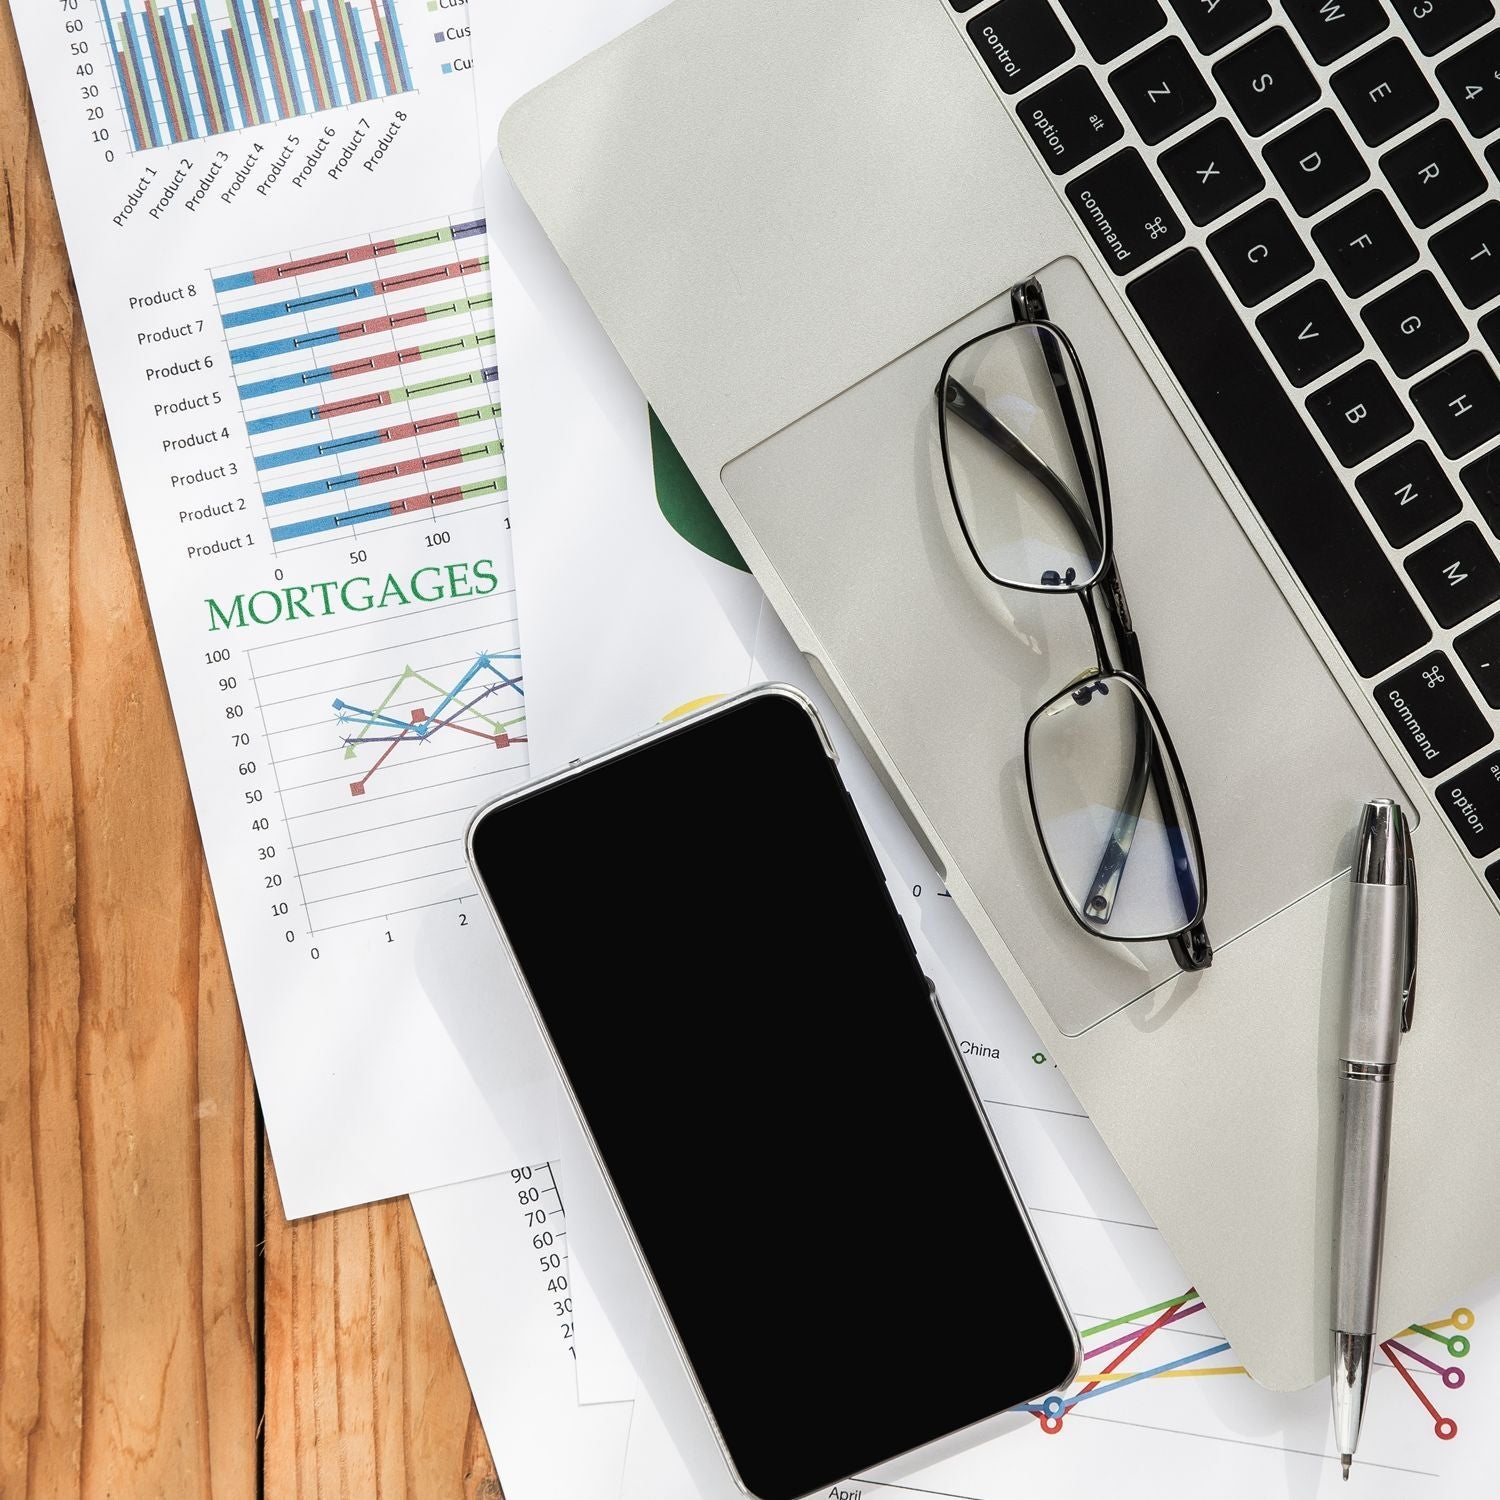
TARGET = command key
(1126,214)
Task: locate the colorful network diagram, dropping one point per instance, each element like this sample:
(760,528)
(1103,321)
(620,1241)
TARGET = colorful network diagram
(1449,1334)
(474,706)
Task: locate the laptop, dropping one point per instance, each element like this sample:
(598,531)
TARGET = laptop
(1271,234)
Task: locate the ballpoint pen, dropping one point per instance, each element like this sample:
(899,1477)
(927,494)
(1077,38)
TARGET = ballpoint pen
(1382,987)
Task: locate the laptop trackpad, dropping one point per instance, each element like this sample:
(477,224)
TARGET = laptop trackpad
(851,506)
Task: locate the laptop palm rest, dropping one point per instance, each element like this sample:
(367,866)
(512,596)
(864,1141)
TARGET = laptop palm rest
(851,503)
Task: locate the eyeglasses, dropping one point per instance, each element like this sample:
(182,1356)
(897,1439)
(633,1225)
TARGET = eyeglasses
(1025,470)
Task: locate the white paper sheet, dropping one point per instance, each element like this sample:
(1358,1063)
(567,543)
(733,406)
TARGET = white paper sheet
(1179,1430)
(499,1250)
(288,306)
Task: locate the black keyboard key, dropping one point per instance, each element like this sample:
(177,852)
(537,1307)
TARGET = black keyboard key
(1432,713)
(1433,173)
(1457,574)
(1359,414)
(1124,211)
(1365,244)
(1260,252)
(1331,28)
(1266,81)
(1481,479)
(1415,324)
(1471,79)
(1472,802)
(1408,494)
(1162,90)
(1316,163)
(1489,326)
(1215,23)
(1110,27)
(1263,438)
(1021,41)
(1310,333)
(1461,404)
(1384,92)
(1479,649)
(1070,120)
(1436,24)
(1469,254)
(1211,172)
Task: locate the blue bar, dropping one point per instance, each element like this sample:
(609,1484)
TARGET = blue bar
(393,25)
(242,25)
(284,383)
(329,523)
(206,30)
(268,53)
(124,77)
(318,450)
(260,314)
(293,345)
(315,20)
(174,56)
(147,105)
(285,419)
(364,52)
(345,60)
(391,86)
(307,491)
(198,78)
(298,103)
(239,92)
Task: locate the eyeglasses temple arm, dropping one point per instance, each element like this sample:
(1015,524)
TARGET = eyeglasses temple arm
(967,407)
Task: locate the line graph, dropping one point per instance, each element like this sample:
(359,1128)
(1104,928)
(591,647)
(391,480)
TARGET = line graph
(424,724)
(384,737)
(366,371)
(1145,1322)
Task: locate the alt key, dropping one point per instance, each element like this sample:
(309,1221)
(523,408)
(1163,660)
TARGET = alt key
(1472,801)
(1071,121)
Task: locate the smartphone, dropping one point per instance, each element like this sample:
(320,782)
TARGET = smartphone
(779,1108)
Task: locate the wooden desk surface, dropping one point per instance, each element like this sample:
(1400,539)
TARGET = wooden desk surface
(164,1332)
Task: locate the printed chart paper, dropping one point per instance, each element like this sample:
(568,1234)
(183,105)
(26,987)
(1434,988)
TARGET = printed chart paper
(273,212)
(1161,1406)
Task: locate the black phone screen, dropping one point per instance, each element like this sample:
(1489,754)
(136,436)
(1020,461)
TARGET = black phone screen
(740,1014)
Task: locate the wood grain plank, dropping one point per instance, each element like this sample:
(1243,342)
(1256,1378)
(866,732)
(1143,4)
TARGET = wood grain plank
(133,1338)
(365,1395)
(123,1251)
(128,1325)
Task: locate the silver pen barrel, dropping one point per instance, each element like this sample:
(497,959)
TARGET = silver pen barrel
(1379,933)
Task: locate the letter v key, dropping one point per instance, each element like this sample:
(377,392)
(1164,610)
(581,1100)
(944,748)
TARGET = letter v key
(1310,333)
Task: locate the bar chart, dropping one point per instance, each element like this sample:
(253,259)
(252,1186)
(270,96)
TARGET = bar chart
(366,373)
(191,69)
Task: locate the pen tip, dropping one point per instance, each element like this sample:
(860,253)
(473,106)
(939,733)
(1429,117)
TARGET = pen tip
(1346,1459)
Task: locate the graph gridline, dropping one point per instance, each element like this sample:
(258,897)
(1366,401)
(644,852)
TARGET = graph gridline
(190,69)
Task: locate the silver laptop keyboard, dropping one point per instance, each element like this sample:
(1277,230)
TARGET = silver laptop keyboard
(1300,199)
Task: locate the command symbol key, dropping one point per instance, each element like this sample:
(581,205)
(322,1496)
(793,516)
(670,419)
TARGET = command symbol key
(1125,212)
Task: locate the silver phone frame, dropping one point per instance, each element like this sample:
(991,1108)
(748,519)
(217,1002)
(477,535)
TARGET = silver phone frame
(617,752)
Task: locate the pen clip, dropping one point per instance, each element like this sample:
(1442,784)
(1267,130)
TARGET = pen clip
(1409,984)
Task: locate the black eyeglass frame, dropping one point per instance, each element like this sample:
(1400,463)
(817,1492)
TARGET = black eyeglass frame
(1189,943)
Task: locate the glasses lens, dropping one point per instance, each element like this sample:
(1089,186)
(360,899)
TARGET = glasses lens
(1023,462)
(1112,813)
